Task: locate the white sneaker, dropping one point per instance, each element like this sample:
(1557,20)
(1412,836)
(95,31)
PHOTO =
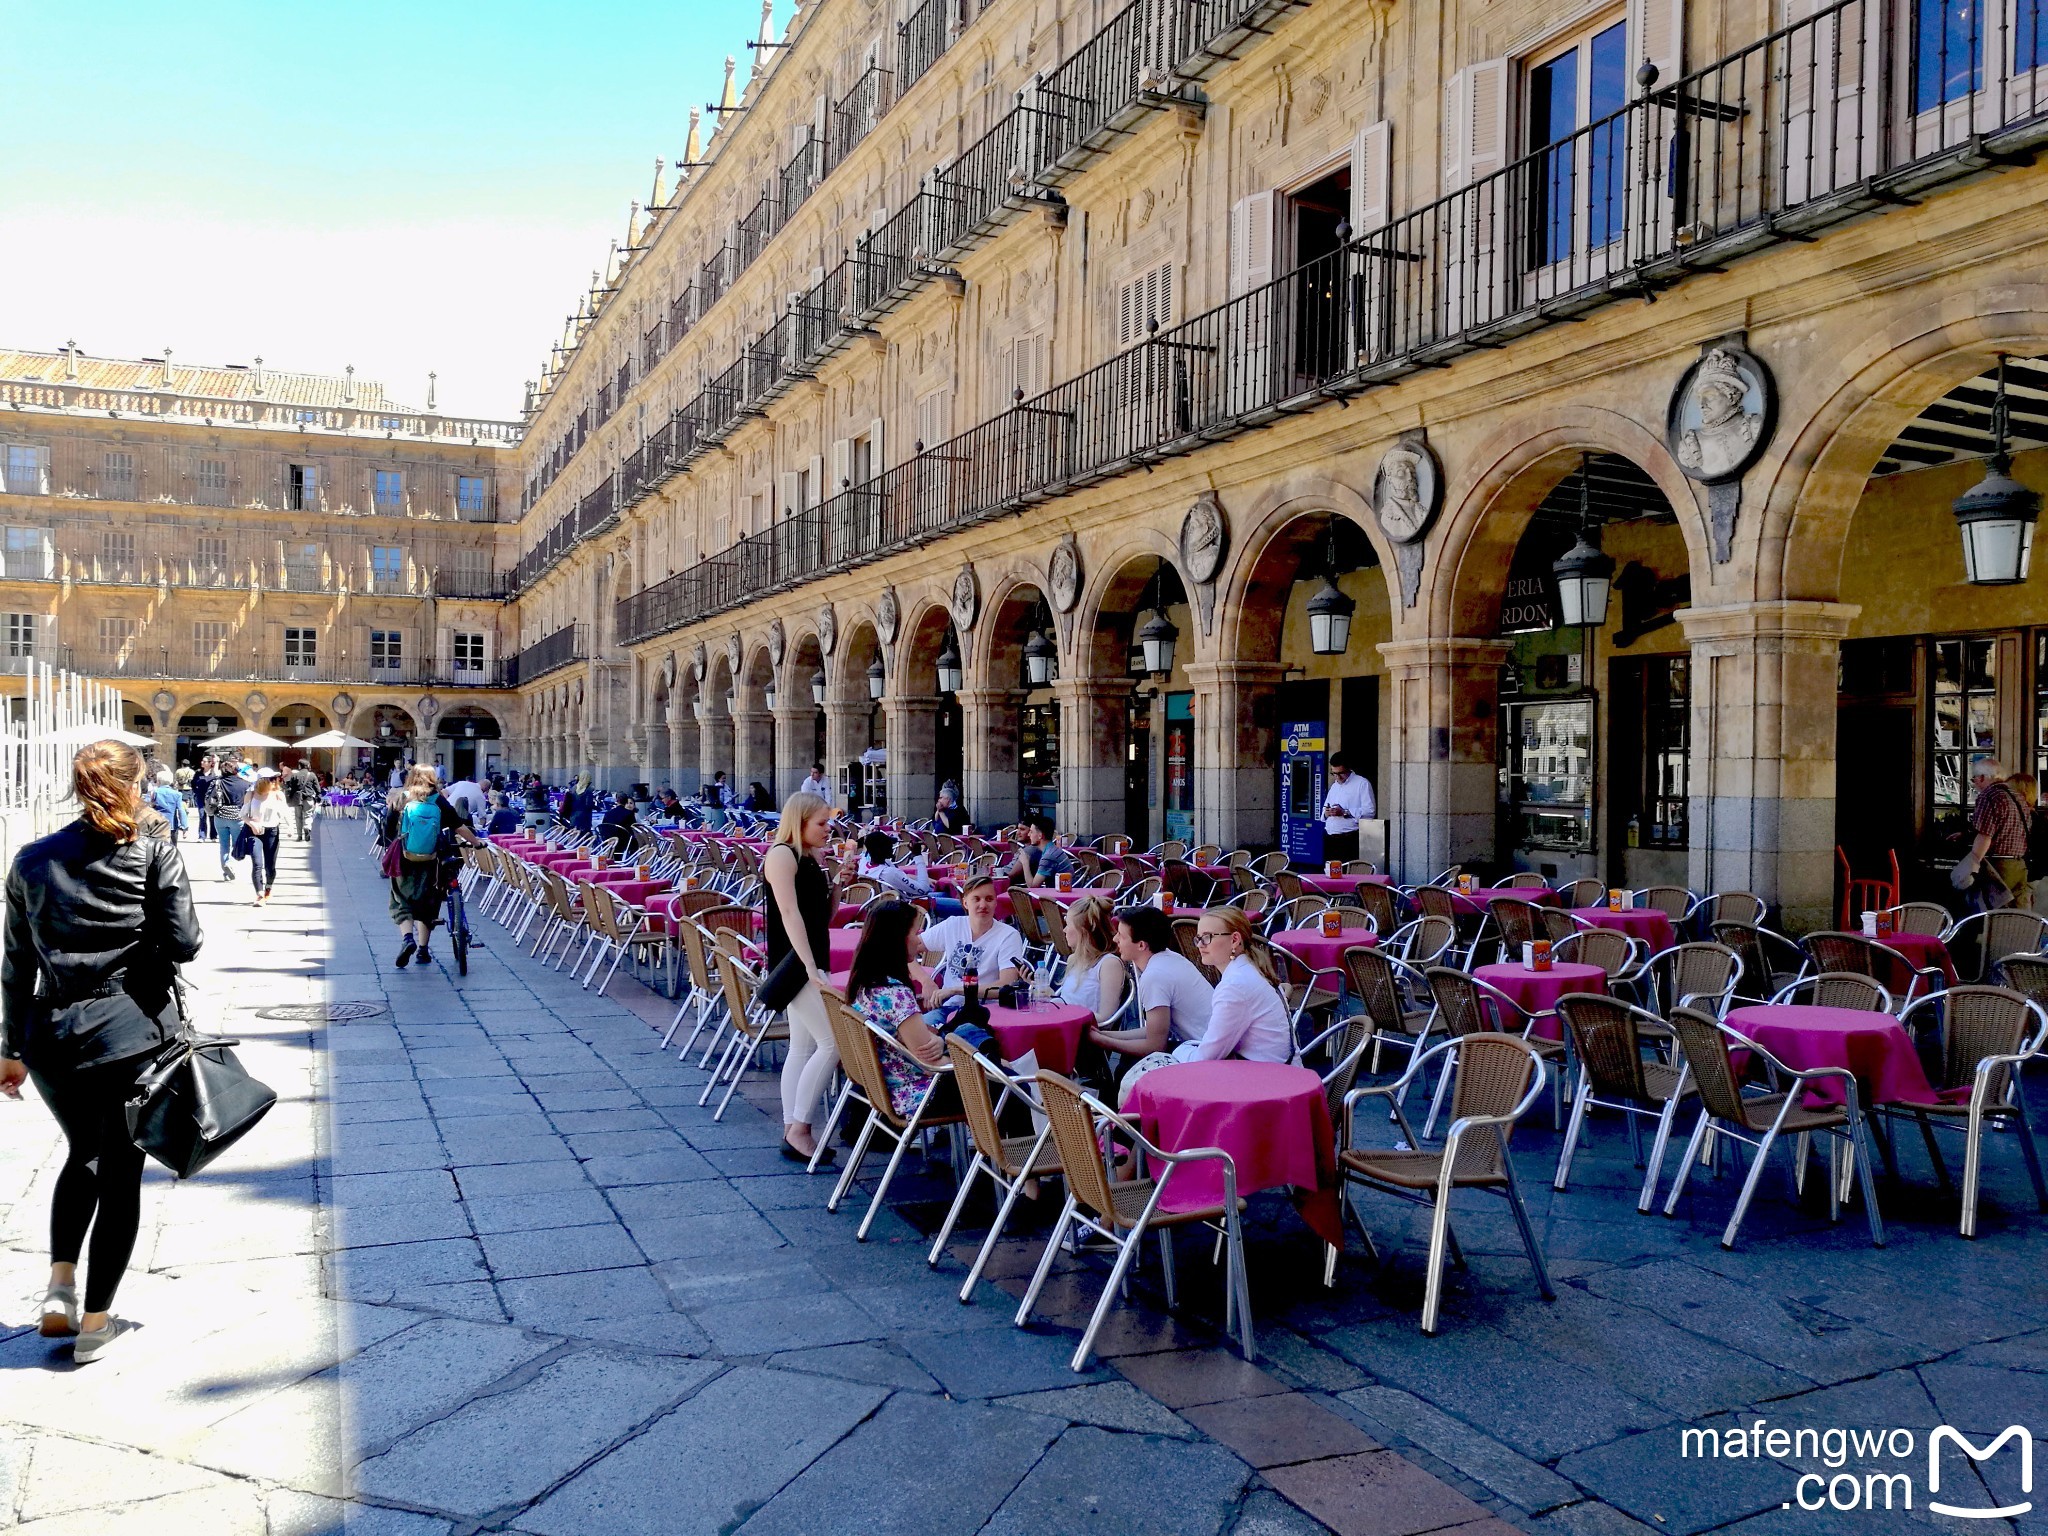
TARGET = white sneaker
(91,1344)
(60,1312)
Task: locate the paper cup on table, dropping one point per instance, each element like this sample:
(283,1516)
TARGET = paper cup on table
(1870,925)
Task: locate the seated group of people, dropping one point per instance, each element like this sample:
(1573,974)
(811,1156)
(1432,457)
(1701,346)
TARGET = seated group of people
(908,980)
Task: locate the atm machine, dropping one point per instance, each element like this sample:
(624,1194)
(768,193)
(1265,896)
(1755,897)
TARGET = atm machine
(1303,755)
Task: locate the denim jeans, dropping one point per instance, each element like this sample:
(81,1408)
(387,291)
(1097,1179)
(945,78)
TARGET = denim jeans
(263,858)
(225,829)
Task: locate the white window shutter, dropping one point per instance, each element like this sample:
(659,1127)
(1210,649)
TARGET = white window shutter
(820,491)
(1656,34)
(842,465)
(1372,170)
(789,507)
(1457,129)
(1251,242)
(875,460)
(1487,129)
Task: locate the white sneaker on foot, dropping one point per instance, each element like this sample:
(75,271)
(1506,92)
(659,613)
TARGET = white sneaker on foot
(92,1343)
(60,1312)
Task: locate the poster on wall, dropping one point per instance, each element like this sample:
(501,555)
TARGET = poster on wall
(1303,745)
(1180,767)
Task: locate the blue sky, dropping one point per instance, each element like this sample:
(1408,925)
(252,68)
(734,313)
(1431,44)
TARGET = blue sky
(403,187)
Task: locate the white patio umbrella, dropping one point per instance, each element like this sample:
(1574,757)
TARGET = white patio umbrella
(243,739)
(82,735)
(331,739)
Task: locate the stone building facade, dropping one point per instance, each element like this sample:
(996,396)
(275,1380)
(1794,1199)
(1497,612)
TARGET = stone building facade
(241,547)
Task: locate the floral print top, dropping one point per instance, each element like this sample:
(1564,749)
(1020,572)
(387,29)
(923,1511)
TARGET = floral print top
(886,1008)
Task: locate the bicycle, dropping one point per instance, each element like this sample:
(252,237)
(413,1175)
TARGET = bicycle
(458,927)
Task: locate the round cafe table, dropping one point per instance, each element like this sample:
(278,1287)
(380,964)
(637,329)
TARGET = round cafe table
(1270,1117)
(1050,1030)
(1078,893)
(1481,901)
(1339,885)
(1318,953)
(1537,992)
(1645,923)
(635,893)
(1922,950)
(1874,1046)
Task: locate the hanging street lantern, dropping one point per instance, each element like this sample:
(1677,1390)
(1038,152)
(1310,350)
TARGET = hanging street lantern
(1997,514)
(768,696)
(1039,655)
(950,673)
(1584,572)
(1156,638)
(876,677)
(1329,611)
(818,687)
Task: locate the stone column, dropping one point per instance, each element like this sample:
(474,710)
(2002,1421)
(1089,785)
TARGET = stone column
(714,742)
(684,771)
(1762,797)
(988,754)
(1236,730)
(912,726)
(1442,721)
(796,744)
(753,734)
(1091,753)
(849,731)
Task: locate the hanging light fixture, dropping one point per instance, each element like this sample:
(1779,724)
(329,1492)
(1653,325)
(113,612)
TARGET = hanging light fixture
(768,696)
(876,678)
(818,687)
(697,708)
(951,675)
(1152,647)
(1329,611)
(1039,655)
(1997,514)
(732,705)
(1583,572)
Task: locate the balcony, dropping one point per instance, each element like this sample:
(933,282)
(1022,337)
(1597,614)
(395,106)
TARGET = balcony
(548,654)
(1730,159)
(237,664)
(160,405)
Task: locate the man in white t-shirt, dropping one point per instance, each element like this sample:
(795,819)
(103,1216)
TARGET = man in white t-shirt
(1346,802)
(469,795)
(1173,996)
(995,949)
(817,784)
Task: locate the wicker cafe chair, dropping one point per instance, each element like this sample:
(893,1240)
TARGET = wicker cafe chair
(1769,959)
(1837,989)
(1582,892)
(1391,993)
(1268,866)
(1499,1078)
(1986,1034)
(1522,880)
(2028,976)
(1729,907)
(1760,1119)
(1378,903)
(860,1047)
(1609,1038)
(1870,957)
(2008,931)
(704,997)
(1122,1211)
(1010,1162)
(1612,951)
(749,1027)
(1052,921)
(1468,1006)
(1930,918)
(1674,901)
(1423,940)
(1026,917)
(1697,975)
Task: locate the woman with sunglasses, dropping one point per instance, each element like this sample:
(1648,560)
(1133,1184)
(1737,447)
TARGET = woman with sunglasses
(1247,1019)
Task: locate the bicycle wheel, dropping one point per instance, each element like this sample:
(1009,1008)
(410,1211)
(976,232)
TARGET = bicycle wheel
(458,930)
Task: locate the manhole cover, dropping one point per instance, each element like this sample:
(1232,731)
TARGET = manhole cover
(320,1013)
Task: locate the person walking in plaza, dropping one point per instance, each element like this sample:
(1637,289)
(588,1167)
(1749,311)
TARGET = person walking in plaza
(224,804)
(799,918)
(264,813)
(425,826)
(99,916)
(170,804)
(2001,821)
(1347,801)
(302,794)
(202,785)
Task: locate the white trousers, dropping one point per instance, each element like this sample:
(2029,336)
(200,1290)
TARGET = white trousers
(812,1056)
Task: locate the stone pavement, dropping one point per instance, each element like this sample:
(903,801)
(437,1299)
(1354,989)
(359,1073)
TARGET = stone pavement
(489,1266)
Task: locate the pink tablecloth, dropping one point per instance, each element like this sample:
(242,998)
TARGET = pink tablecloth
(636,892)
(1481,900)
(1310,947)
(1271,1118)
(1339,885)
(557,860)
(1538,991)
(1052,1030)
(1874,1046)
(1923,950)
(1068,898)
(1645,923)
(843,942)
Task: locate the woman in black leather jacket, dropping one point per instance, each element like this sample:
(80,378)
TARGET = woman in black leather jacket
(98,916)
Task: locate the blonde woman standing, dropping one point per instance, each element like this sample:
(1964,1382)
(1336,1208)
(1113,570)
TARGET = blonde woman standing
(799,920)
(265,816)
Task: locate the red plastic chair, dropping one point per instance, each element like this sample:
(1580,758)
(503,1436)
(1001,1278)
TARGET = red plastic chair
(1859,896)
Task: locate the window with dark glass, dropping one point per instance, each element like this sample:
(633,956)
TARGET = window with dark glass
(1948,51)
(386,650)
(1964,719)
(1577,193)
(301,648)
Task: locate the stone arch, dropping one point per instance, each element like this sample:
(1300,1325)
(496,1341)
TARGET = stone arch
(920,637)
(1253,588)
(1512,472)
(1117,579)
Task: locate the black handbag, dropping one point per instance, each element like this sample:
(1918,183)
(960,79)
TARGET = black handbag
(193,1102)
(779,988)
(244,842)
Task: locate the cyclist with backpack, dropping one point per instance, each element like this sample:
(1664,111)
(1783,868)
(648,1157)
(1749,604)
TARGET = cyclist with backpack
(426,828)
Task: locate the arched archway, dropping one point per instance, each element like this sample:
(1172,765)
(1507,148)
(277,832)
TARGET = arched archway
(923,722)
(1014,741)
(856,737)
(392,733)
(754,725)
(468,742)
(293,722)
(1127,731)
(799,714)
(200,723)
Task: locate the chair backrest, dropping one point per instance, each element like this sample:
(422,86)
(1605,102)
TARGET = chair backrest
(1582,892)
(1268,865)
(1052,921)
(1705,1048)
(859,892)
(1353,917)
(1024,916)
(1557,924)
(1239,858)
(2012,931)
(1700,974)
(1184,931)
(1251,903)
(1461,1002)
(1928,917)
(739,981)
(1607,1039)
(1977,1022)
(690,903)
(1288,884)
(1436,901)
(597,908)
(1206,853)
(1674,901)
(1847,989)
(2028,976)
(1141,892)
(1116,844)
(1523,880)
(738,921)
(1517,920)
(1110,880)
(972,1072)
(1603,947)
(1073,1132)
(1172,848)
(1495,1073)
(696,945)
(1090,863)
(1376,985)
(1847,952)
(1429,936)
(1347,1051)
(1378,901)
(859,1057)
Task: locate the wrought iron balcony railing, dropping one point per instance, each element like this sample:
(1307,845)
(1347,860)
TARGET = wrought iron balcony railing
(138,659)
(1794,133)
(548,654)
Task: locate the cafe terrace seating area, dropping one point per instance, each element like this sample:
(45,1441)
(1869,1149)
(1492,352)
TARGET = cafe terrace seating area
(1479,1068)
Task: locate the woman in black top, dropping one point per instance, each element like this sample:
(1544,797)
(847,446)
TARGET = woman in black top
(98,916)
(799,919)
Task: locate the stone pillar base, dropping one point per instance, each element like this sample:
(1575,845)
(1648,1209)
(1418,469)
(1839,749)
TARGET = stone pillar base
(1442,721)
